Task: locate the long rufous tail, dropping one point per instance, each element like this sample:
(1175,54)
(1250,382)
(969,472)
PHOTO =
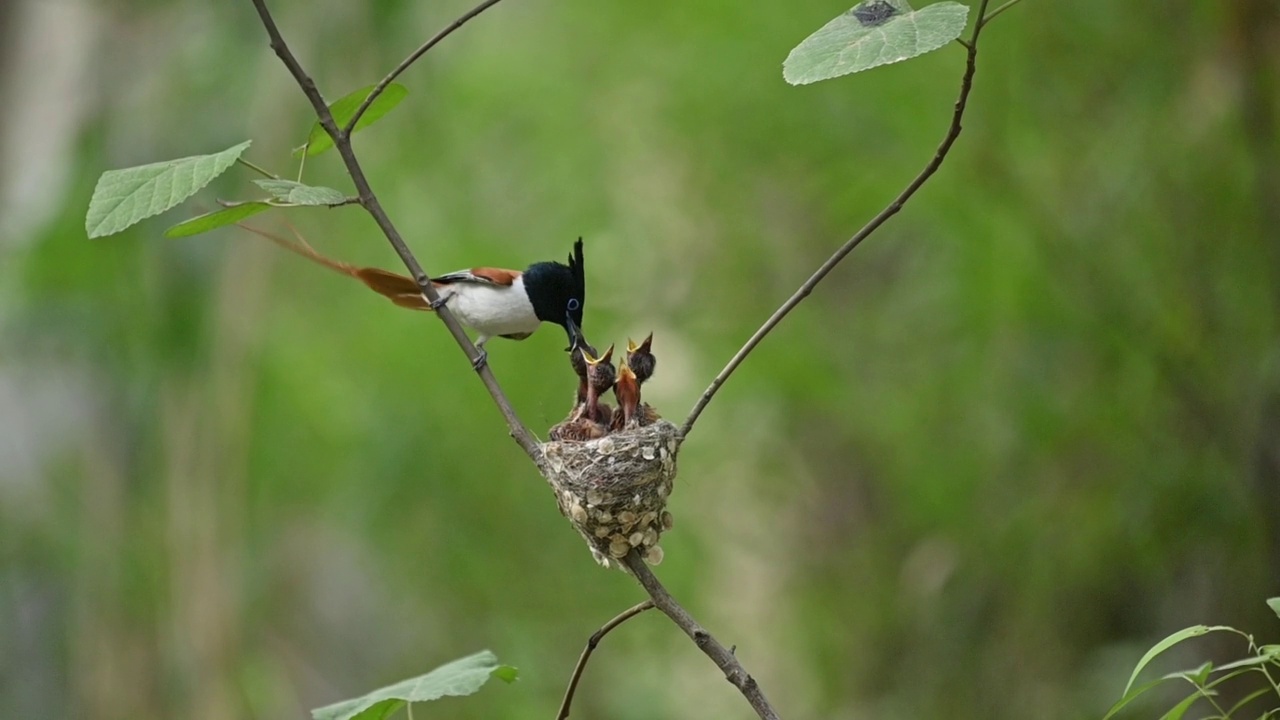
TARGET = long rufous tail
(399,289)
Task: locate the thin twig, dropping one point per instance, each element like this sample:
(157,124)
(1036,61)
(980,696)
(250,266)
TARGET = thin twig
(342,140)
(988,18)
(592,642)
(953,132)
(413,57)
(257,169)
(719,654)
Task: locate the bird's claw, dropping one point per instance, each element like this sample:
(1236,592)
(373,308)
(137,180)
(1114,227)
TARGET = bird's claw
(481,360)
(439,302)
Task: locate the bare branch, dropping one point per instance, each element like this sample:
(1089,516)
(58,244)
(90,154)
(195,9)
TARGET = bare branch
(988,18)
(719,654)
(953,132)
(342,141)
(592,642)
(413,57)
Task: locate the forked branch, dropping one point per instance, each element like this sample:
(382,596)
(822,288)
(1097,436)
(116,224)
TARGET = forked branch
(719,654)
(592,642)
(342,141)
(413,57)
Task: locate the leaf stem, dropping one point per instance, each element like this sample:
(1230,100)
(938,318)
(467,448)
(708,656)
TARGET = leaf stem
(302,163)
(257,168)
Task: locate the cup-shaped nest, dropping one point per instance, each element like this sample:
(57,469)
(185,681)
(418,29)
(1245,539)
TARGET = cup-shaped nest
(614,489)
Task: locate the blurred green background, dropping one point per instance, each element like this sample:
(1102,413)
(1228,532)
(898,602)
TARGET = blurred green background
(1030,427)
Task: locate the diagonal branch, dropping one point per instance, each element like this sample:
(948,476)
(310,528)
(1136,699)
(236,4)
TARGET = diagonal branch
(413,57)
(592,642)
(342,140)
(719,654)
(953,132)
(988,18)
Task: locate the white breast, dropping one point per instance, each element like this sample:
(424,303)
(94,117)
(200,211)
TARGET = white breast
(492,310)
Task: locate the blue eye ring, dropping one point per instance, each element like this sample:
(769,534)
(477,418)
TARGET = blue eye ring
(574,304)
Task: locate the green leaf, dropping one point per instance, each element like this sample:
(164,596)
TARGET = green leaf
(1177,711)
(1184,634)
(216,219)
(1196,677)
(1248,699)
(318,140)
(506,673)
(873,33)
(1130,696)
(1274,604)
(124,197)
(460,677)
(1260,659)
(295,193)
(1232,675)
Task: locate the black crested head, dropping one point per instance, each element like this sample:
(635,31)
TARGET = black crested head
(558,292)
(578,267)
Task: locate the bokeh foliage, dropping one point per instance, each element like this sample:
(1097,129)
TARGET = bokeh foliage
(1028,429)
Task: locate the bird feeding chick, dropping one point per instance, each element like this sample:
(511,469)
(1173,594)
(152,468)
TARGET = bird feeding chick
(612,468)
(590,418)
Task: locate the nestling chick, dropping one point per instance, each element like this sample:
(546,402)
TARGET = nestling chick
(641,360)
(646,415)
(627,390)
(590,418)
(579,429)
(600,378)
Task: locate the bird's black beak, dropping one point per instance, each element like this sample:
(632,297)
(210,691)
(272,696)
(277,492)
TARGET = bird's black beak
(575,332)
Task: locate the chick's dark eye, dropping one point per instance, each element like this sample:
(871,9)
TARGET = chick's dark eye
(574,304)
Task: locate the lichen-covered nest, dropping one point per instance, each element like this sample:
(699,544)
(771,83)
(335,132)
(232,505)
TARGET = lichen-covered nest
(614,489)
